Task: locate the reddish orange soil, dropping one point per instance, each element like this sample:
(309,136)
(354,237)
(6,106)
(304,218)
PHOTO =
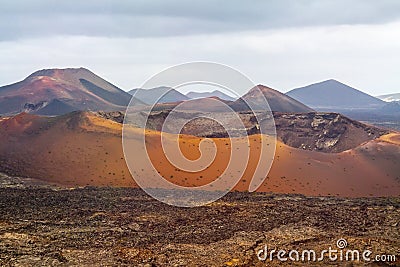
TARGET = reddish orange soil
(81,149)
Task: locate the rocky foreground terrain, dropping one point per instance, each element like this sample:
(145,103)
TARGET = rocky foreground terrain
(42,225)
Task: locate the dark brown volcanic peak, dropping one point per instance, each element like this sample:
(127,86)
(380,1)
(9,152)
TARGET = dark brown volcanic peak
(74,76)
(325,132)
(316,131)
(159,95)
(332,95)
(216,93)
(206,104)
(277,101)
(78,89)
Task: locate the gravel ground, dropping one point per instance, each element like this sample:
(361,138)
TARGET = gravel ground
(49,226)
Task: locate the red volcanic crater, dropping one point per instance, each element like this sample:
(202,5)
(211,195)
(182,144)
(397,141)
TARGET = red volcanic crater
(82,148)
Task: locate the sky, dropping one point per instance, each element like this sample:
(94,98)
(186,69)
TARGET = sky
(283,44)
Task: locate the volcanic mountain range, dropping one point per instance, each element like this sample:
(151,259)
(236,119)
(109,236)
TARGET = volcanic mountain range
(317,153)
(59,91)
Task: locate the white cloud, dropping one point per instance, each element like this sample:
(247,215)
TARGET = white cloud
(140,18)
(364,56)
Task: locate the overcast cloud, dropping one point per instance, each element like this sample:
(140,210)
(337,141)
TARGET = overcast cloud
(283,44)
(143,18)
